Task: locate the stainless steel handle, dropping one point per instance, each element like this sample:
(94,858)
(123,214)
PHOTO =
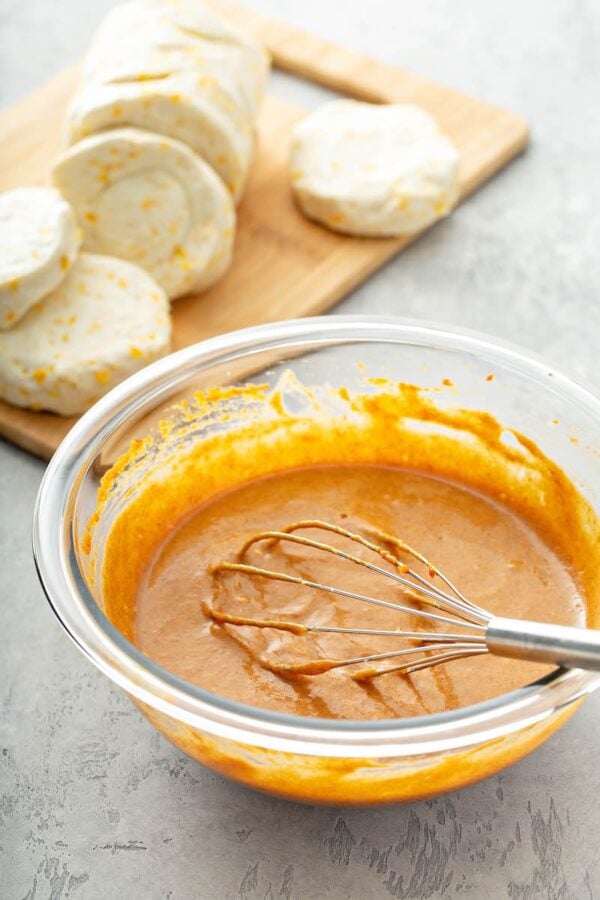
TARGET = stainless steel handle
(574,648)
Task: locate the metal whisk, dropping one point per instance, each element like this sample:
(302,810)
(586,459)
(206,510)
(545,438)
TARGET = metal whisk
(481,632)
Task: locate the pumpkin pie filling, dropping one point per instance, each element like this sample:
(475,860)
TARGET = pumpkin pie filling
(482,502)
(484,547)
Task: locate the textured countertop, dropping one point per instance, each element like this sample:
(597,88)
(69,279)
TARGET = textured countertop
(93,802)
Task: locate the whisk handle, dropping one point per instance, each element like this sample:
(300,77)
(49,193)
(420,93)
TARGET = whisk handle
(563,645)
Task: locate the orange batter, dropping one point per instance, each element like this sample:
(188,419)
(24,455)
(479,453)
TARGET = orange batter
(497,517)
(493,556)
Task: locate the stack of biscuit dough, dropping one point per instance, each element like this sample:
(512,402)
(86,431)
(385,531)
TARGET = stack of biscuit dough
(160,138)
(176,68)
(161,133)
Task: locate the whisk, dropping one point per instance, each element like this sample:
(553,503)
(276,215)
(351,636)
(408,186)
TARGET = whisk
(479,632)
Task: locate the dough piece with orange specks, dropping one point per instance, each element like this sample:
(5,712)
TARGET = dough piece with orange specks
(373,169)
(105,321)
(178,69)
(179,106)
(39,241)
(147,39)
(153,201)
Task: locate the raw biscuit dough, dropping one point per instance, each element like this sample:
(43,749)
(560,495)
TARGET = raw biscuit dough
(39,241)
(179,106)
(105,321)
(178,69)
(150,200)
(367,169)
(149,38)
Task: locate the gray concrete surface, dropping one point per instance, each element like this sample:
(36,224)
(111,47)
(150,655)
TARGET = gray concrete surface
(93,803)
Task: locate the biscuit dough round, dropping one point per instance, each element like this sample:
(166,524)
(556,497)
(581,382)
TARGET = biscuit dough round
(39,241)
(150,200)
(367,169)
(147,37)
(181,106)
(106,321)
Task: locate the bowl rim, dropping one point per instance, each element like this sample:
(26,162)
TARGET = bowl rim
(193,706)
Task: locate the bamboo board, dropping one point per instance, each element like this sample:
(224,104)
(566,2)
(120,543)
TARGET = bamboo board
(284,266)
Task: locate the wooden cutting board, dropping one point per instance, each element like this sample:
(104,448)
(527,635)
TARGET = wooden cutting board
(284,266)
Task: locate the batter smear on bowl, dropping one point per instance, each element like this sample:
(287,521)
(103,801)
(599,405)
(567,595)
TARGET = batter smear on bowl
(495,514)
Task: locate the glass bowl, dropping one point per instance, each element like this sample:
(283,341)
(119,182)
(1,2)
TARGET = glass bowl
(315,760)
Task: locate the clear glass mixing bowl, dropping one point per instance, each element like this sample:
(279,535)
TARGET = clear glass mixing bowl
(316,760)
